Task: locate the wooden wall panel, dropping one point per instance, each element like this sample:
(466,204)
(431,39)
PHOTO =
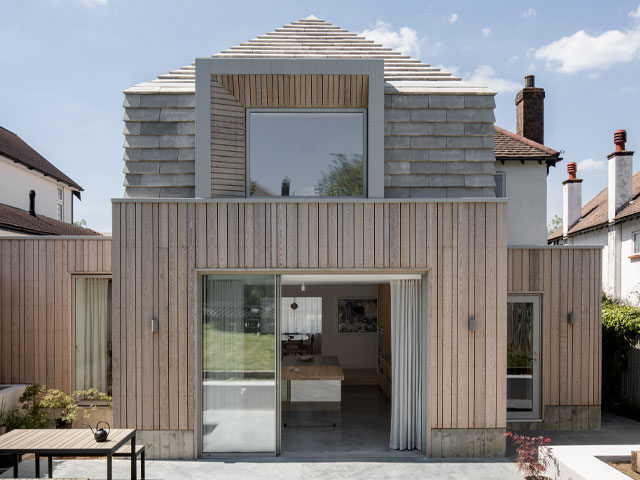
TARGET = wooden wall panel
(461,245)
(568,281)
(232,94)
(36,305)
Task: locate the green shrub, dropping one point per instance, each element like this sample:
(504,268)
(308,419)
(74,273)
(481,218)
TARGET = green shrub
(42,408)
(620,330)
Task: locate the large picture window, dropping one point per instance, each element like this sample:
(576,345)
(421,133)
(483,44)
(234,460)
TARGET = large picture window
(306,154)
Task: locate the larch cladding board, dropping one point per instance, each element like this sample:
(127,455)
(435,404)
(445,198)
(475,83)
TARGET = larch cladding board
(159,246)
(232,94)
(569,281)
(36,308)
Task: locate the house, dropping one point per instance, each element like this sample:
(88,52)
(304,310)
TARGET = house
(310,183)
(35,197)
(611,219)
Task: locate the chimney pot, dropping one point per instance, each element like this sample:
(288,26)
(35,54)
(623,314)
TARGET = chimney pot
(620,138)
(529,81)
(572,168)
(32,203)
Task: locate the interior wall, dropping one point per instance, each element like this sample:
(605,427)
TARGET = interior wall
(354,350)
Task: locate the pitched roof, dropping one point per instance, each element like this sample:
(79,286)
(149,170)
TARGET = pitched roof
(596,213)
(511,146)
(13,147)
(19,221)
(315,38)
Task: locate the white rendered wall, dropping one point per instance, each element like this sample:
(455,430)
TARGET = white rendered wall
(526,190)
(629,268)
(16,181)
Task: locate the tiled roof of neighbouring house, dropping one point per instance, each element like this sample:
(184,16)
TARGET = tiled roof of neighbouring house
(596,212)
(511,146)
(20,221)
(315,38)
(16,149)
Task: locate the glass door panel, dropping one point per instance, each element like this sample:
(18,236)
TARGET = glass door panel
(523,354)
(238,363)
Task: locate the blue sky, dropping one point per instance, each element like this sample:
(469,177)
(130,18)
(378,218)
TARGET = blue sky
(64,64)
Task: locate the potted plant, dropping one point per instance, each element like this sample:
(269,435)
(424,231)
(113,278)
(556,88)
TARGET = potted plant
(532,460)
(62,407)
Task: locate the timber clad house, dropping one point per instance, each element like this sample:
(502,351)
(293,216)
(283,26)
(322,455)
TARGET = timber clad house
(312,192)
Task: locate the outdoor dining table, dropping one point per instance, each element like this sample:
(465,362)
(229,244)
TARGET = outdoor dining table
(64,443)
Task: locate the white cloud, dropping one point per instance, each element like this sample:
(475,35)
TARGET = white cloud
(486,31)
(485,75)
(529,12)
(635,13)
(453,18)
(94,3)
(582,51)
(591,164)
(405,40)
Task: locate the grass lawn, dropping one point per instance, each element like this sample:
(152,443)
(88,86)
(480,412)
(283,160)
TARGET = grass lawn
(224,351)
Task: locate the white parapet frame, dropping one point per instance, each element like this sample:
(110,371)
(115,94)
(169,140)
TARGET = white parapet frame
(374,68)
(588,462)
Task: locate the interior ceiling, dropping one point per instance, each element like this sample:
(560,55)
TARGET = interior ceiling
(311,279)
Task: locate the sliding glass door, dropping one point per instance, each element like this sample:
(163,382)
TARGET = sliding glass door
(523,357)
(238,363)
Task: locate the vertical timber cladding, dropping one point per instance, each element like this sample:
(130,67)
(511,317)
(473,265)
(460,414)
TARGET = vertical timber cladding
(36,305)
(159,245)
(569,280)
(232,94)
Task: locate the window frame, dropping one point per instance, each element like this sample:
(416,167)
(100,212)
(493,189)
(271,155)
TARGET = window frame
(503,182)
(633,239)
(60,204)
(75,276)
(365,156)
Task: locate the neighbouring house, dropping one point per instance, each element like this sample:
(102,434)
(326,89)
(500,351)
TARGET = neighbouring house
(312,191)
(36,198)
(611,220)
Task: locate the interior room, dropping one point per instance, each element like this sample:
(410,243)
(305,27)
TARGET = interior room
(335,363)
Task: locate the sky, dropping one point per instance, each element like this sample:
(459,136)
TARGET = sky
(65,63)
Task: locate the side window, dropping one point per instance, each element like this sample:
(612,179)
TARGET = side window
(59,206)
(636,243)
(501,187)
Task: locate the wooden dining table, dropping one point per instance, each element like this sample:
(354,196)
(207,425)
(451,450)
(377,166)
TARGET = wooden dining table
(64,443)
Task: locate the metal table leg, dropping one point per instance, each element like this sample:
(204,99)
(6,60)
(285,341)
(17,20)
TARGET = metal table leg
(15,465)
(109,472)
(37,466)
(50,466)
(142,465)
(133,457)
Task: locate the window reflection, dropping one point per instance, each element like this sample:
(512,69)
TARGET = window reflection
(306,154)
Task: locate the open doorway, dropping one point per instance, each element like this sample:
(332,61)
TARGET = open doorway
(336,364)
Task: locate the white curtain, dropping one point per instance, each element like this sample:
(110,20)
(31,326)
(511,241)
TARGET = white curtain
(307,318)
(407,356)
(93,333)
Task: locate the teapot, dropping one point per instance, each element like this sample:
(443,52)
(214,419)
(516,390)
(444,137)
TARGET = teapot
(100,434)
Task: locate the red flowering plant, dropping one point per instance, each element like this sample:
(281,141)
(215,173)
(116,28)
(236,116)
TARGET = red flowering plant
(532,460)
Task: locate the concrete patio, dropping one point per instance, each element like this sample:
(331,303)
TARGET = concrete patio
(284,469)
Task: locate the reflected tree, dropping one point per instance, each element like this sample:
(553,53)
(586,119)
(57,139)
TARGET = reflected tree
(344,178)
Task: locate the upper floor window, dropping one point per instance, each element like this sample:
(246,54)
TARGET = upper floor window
(59,209)
(306,153)
(636,243)
(501,187)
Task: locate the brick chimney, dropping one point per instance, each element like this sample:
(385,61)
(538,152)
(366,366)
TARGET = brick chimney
(620,174)
(571,199)
(530,111)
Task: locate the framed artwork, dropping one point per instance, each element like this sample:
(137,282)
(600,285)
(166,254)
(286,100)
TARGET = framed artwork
(357,315)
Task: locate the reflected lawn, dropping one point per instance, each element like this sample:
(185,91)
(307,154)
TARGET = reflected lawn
(229,351)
